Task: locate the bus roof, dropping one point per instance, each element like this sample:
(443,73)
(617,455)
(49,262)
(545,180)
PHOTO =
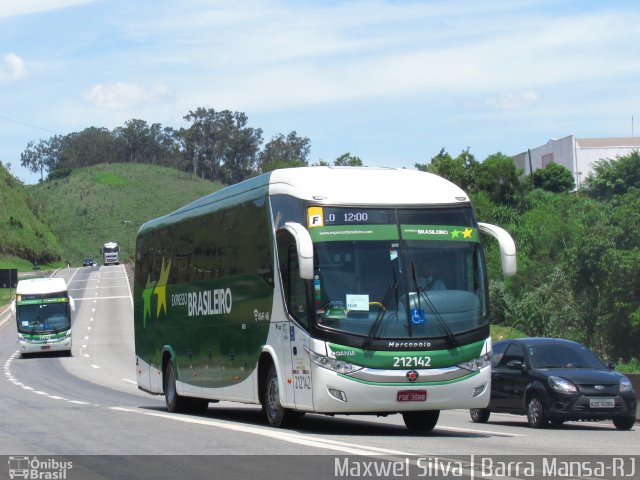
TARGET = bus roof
(365,186)
(41,286)
(356,186)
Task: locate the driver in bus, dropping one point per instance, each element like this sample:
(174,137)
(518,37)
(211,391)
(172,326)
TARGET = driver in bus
(428,281)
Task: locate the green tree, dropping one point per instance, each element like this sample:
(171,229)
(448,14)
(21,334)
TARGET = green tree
(43,156)
(347,160)
(553,178)
(220,145)
(460,170)
(614,177)
(499,178)
(285,152)
(91,146)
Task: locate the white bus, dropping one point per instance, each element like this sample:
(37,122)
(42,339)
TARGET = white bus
(42,309)
(310,290)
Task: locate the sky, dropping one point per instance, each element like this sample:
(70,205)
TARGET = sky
(390,81)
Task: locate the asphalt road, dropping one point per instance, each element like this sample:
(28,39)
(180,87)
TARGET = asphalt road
(89,404)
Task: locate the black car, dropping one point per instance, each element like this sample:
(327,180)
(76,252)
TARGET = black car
(87,262)
(554,380)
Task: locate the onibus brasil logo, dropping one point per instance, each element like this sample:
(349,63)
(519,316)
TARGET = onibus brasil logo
(34,468)
(198,303)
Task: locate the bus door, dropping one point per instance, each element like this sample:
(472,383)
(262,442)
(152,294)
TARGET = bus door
(296,300)
(300,366)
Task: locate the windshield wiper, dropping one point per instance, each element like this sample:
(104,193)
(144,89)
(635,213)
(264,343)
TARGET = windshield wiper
(449,334)
(381,313)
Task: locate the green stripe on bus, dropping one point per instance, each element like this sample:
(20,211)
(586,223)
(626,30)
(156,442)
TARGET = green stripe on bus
(388,359)
(354,232)
(440,232)
(40,301)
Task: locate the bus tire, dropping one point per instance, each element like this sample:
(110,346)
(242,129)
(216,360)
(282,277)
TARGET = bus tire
(276,414)
(175,403)
(421,421)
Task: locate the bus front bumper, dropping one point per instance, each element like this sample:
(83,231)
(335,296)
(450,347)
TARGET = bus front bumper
(335,393)
(41,346)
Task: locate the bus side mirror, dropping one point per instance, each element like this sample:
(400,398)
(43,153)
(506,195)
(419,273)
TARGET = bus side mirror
(72,304)
(507,247)
(13,307)
(304,247)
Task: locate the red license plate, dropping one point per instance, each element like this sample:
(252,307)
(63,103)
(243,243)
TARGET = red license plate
(412,395)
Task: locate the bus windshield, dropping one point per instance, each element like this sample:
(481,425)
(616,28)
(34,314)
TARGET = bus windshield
(421,277)
(38,317)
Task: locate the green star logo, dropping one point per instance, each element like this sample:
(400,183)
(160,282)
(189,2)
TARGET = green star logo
(146,297)
(161,288)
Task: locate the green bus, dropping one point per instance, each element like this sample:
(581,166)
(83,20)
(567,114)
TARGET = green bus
(312,290)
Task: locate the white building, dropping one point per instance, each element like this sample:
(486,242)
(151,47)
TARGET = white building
(578,155)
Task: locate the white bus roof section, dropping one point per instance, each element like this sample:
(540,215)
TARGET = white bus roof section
(364,186)
(41,286)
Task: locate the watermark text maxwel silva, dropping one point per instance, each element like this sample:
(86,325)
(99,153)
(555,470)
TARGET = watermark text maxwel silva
(484,466)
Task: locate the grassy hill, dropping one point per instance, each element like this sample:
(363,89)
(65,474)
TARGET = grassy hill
(109,202)
(23,235)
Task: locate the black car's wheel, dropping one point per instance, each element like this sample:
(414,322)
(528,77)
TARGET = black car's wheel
(423,421)
(479,415)
(624,423)
(536,414)
(276,414)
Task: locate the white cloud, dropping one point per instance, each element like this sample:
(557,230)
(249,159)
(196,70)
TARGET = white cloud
(12,68)
(12,8)
(513,101)
(121,95)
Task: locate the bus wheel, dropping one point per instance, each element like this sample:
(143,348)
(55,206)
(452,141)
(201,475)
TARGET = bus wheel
(276,414)
(175,403)
(422,421)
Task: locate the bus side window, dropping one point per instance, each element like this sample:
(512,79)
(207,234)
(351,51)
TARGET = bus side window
(296,290)
(294,287)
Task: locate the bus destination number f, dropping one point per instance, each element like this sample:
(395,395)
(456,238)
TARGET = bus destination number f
(411,362)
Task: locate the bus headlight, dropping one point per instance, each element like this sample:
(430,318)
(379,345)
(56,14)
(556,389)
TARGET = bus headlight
(332,364)
(475,364)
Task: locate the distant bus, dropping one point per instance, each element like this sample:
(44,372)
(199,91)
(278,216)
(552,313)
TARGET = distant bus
(42,309)
(110,253)
(305,290)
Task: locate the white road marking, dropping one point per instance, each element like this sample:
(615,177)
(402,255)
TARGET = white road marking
(129,381)
(95,366)
(349,448)
(487,432)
